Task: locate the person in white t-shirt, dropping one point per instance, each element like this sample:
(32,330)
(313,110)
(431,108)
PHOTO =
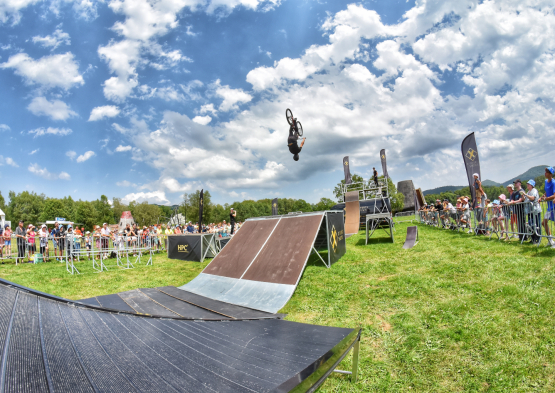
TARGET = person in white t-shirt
(104,240)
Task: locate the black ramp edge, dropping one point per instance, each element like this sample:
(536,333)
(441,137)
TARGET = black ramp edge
(25,366)
(64,366)
(102,371)
(7,300)
(227,309)
(92,301)
(180,307)
(114,302)
(145,305)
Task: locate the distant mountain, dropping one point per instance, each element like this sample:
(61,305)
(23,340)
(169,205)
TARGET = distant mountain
(439,190)
(529,174)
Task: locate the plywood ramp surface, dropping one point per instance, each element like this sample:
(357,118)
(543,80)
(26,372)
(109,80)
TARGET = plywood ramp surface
(352,217)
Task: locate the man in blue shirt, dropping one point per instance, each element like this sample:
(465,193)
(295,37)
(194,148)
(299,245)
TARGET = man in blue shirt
(549,196)
(190,228)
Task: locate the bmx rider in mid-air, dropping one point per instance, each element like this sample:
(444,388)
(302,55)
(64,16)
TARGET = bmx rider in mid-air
(294,135)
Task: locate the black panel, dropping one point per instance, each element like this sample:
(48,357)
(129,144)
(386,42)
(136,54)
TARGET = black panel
(222,308)
(25,360)
(114,302)
(180,307)
(92,301)
(336,236)
(185,247)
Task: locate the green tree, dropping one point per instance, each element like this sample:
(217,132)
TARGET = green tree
(338,190)
(146,214)
(25,206)
(52,208)
(104,211)
(118,208)
(86,214)
(3,205)
(324,204)
(395,198)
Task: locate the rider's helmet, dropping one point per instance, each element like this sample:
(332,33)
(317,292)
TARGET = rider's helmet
(296,157)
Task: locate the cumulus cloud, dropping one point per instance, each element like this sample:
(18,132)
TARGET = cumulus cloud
(102,112)
(158,197)
(45,174)
(125,183)
(10,10)
(4,127)
(8,161)
(121,148)
(231,97)
(55,109)
(53,41)
(50,131)
(84,157)
(204,120)
(49,72)
(71,154)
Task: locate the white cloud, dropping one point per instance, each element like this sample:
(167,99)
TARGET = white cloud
(84,157)
(4,127)
(10,9)
(10,161)
(53,41)
(45,174)
(121,148)
(55,109)
(34,151)
(204,120)
(50,131)
(102,112)
(49,72)
(232,97)
(158,197)
(71,154)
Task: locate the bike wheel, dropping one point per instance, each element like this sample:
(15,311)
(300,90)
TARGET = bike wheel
(299,128)
(289,116)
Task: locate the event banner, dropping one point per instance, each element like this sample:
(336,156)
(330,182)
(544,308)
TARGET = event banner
(275,207)
(336,236)
(200,208)
(384,164)
(348,179)
(471,162)
(185,247)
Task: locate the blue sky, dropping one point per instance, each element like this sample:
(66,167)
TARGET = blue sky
(146,100)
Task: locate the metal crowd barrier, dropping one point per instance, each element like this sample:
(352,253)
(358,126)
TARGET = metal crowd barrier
(405,217)
(524,221)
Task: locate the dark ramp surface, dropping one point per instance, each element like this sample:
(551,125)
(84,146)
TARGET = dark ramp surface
(412,236)
(58,345)
(242,248)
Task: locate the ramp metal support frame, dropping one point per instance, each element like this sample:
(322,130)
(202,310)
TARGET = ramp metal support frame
(315,251)
(377,219)
(354,372)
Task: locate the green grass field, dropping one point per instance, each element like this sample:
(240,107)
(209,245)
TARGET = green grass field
(455,313)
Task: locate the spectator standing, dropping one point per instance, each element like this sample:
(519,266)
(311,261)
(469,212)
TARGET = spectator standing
(232,216)
(8,240)
(375,176)
(77,236)
(62,241)
(511,212)
(549,196)
(2,245)
(500,214)
(21,236)
(533,211)
(32,249)
(516,200)
(69,242)
(43,240)
(105,238)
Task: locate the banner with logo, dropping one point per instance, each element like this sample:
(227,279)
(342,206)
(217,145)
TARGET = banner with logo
(384,164)
(200,208)
(185,247)
(471,162)
(347,170)
(275,207)
(336,236)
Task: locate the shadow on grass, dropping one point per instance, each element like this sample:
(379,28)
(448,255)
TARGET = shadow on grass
(374,240)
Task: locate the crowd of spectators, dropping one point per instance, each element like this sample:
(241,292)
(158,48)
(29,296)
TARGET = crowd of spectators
(516,215)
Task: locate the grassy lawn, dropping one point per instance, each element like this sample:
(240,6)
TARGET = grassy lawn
(455,313)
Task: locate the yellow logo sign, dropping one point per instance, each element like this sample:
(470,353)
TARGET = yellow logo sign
(333,239)
(471,154)
(275,205)
(182,248)
(346,163)
(201,202)
(383,156)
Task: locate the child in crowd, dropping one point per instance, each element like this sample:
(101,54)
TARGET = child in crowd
(88,244)
(43,236)
(2,246)
(501,217)
(31,249)
(8,240)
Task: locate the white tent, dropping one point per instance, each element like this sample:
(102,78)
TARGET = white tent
(2,218)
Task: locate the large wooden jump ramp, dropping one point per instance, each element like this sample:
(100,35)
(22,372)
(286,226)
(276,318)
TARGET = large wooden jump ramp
(262,264)
(352,213)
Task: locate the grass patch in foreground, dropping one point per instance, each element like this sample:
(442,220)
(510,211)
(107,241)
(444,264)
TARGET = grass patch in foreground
(455,313)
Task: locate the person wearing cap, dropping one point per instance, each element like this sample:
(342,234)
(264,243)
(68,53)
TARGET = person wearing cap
(8,240)
(43,241)
(21,237)
(511,212)
(549,196)
(533,211)
(465,209)
(517,199)
(62,241)
(499,213)
(232,216)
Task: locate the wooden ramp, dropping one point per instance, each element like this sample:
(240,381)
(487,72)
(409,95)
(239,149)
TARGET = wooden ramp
(352,213)
(262,264)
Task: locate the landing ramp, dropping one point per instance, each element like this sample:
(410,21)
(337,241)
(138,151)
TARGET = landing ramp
(49,344)
(352,213)
(412,237)
(262,264)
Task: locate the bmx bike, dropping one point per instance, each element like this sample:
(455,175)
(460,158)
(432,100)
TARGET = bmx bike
(293,122)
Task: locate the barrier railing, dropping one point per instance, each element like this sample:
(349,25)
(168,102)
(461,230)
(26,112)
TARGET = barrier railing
(534,222)
(404,217)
